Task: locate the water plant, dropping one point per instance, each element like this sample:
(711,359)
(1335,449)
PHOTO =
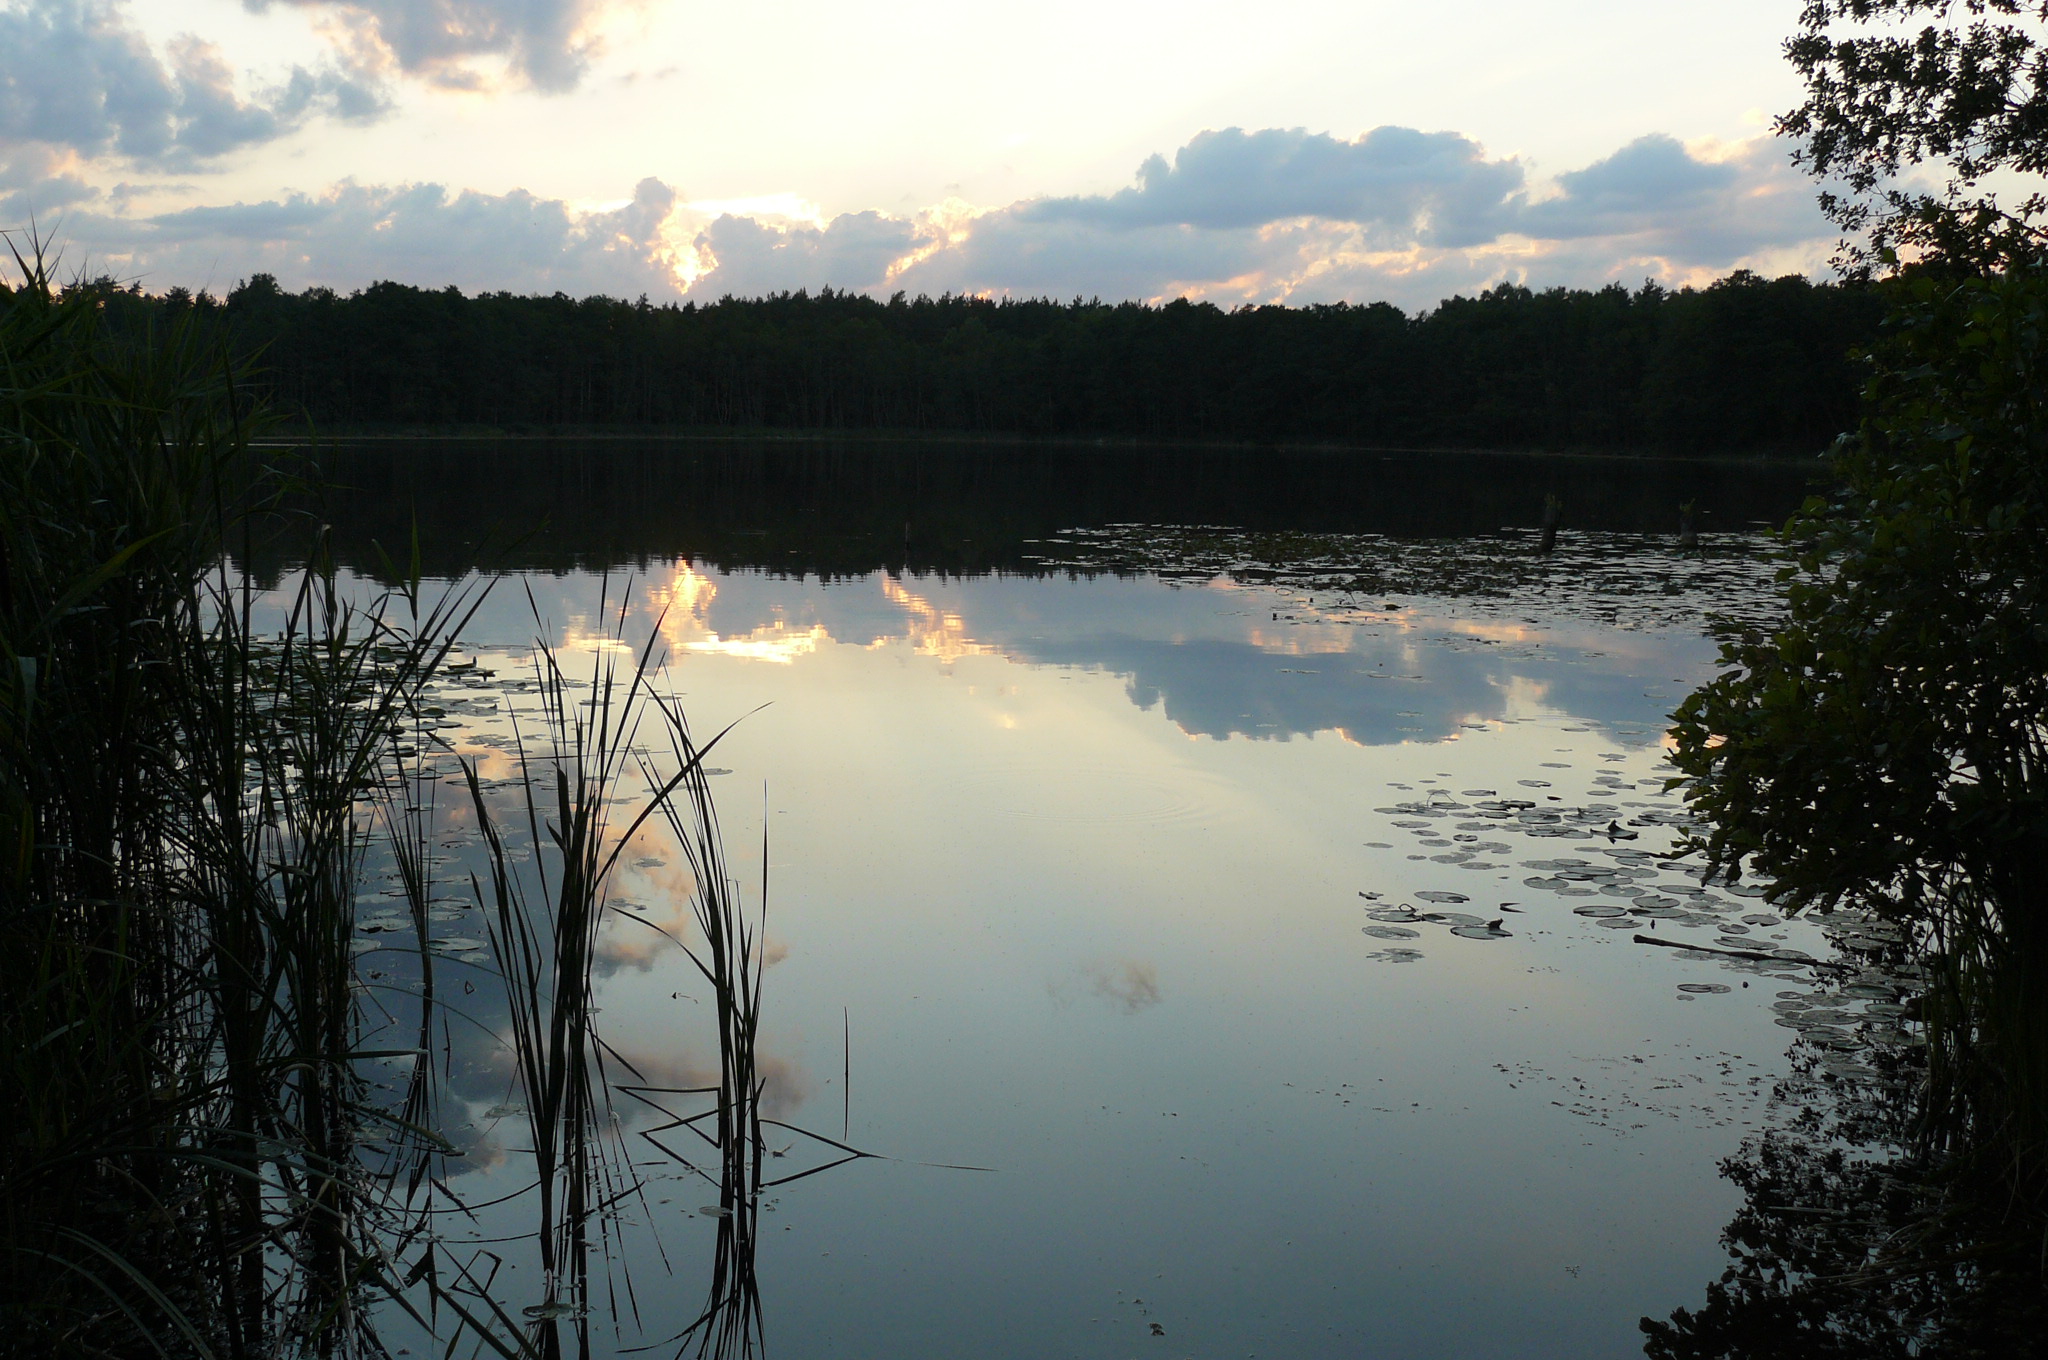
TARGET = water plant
(186,804)
(222,1128)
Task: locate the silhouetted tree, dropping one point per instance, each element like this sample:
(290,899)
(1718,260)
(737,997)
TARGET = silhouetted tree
(1747,365)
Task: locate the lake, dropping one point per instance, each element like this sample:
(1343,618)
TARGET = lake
(1219,888)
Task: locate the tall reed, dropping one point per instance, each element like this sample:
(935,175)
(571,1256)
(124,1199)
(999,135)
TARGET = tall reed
(216,1136)
(546,918)
(185,805)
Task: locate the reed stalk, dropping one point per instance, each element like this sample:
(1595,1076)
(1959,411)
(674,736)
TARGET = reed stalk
(186,803)
(218,1135)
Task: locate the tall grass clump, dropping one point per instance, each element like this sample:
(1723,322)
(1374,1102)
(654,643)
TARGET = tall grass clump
(544,924)
(186,804)
(583,756)
(218,1132)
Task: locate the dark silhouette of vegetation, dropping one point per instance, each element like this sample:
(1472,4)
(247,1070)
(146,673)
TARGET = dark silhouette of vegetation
(1746,365)
(1950,85)
(838,508)
(1851,1246)
(1885,745)
(223,896)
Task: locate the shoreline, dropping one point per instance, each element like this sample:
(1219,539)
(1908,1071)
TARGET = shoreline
(765,437)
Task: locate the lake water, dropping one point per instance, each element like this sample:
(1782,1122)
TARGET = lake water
(1217,887)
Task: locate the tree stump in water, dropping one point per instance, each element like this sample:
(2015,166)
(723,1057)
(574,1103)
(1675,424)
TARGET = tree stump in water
(1553,511)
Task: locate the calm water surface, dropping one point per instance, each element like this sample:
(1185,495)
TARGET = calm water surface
(1089,844)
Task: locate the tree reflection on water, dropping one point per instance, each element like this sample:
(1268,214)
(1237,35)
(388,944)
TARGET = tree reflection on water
(1857,1236)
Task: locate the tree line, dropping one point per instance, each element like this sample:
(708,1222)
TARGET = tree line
(1744,365)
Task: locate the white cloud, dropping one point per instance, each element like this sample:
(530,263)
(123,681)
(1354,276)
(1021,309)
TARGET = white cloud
(1013,252)
(38,180)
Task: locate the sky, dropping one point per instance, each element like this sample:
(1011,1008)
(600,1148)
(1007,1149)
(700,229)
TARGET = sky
(1290,151)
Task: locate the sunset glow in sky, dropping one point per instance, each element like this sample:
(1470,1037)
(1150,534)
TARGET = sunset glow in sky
(1289,150)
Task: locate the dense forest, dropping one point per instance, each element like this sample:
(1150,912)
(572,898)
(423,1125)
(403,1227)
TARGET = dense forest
(1745,365)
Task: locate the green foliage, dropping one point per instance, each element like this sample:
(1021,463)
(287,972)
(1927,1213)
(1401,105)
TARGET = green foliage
(1886,744)
(1747,365)
(1889,736)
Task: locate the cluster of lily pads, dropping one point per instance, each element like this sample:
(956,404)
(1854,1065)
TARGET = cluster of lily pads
(1615,578)
(1627,888)
(1852,1004)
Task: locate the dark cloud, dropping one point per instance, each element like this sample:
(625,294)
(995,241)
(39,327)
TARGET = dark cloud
(74,75)
(853,251)
(1657,195)
(1401,215)
(417,234)
(1645,181)
(1013,251)
(544,43)
(1436,187)
(1234,216)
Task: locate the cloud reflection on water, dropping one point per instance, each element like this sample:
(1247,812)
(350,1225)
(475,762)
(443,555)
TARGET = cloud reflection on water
(1219,660)
(1131,985)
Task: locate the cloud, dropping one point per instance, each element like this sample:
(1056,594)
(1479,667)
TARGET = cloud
(546,44)
(676,1067)
(1435,187)
(75,76)
(1011,252)
(37,180)
(1130,985)
(1284,215)
(1660,196)
(1397,214)
(1273,216)
(752,257)
(418,233)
